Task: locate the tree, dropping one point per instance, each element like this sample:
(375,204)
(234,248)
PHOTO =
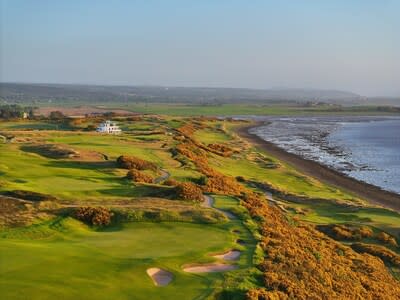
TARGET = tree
(56,115)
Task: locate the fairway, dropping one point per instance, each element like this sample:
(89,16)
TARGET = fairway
(73,261)
(48,251)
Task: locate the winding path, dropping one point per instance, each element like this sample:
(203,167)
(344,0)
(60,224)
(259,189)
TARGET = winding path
(164,176)
(209,201)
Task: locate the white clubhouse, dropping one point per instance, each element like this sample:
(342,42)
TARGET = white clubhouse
(109,127)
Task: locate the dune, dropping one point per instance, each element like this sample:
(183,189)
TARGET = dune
(208,268)
(160,277)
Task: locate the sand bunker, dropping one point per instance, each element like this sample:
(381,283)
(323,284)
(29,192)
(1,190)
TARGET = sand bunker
(229,255)
(160,277)
(208,268)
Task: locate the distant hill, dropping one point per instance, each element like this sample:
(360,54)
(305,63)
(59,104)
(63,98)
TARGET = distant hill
(28,93)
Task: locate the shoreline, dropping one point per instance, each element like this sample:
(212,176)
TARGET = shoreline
(371,193)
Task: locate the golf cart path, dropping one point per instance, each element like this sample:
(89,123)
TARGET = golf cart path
(209,202)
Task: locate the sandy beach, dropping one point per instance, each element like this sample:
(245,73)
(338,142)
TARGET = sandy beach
(371,193)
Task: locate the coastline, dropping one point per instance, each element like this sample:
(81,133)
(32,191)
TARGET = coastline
(371,193)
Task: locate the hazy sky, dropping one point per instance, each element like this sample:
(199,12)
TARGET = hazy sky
(337,44)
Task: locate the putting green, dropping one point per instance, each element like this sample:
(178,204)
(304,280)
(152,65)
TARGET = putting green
(70,261)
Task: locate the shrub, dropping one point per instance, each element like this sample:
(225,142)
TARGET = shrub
(223,185)
(202,180)
(342,233)
(386,238)
(240,179)
(132,162)
(138,176)
(220,149)
(99,216)
(171,182)
(302,263)
(365,232)
(56,115)
(189,191)
(383,253)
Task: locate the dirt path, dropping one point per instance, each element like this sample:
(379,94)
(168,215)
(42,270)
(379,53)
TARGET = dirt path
(209,201)
(164,176)
(329,176)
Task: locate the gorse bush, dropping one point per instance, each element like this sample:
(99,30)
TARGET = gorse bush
(99,216)
(138,176)
(365,232)
(302,263)
(346,232)
(386,238)
(132,162)
(342,233)
(220,149)
(171,182)
(382,252)
(189,191)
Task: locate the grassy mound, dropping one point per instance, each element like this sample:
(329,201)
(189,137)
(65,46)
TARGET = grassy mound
(29,195)
(51,151)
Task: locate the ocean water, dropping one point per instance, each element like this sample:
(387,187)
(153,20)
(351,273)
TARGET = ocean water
(375,145)
(365,148)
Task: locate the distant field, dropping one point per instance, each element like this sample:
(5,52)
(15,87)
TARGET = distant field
(245,109)
(187,109)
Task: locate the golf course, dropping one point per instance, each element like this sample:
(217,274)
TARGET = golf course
(171,208)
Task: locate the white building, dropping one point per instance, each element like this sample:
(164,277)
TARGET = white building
(109,127)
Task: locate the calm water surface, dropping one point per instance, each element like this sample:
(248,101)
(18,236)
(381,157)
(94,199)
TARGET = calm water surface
(365,148)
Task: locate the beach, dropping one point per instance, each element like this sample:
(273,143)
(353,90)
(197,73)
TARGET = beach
(369,192)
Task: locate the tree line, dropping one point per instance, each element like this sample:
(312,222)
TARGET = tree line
(15,111)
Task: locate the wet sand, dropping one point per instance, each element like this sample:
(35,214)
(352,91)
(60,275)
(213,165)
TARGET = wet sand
(369,192)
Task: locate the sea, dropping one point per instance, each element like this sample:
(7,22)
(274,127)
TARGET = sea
(365,148)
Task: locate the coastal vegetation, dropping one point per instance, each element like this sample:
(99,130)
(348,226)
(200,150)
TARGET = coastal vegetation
(173,193)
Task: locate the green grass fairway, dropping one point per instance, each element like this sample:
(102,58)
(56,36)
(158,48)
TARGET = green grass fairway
(211,136)
(76,179)
(45,253)
(66,260)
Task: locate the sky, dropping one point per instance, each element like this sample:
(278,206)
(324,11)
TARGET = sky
(351,45)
